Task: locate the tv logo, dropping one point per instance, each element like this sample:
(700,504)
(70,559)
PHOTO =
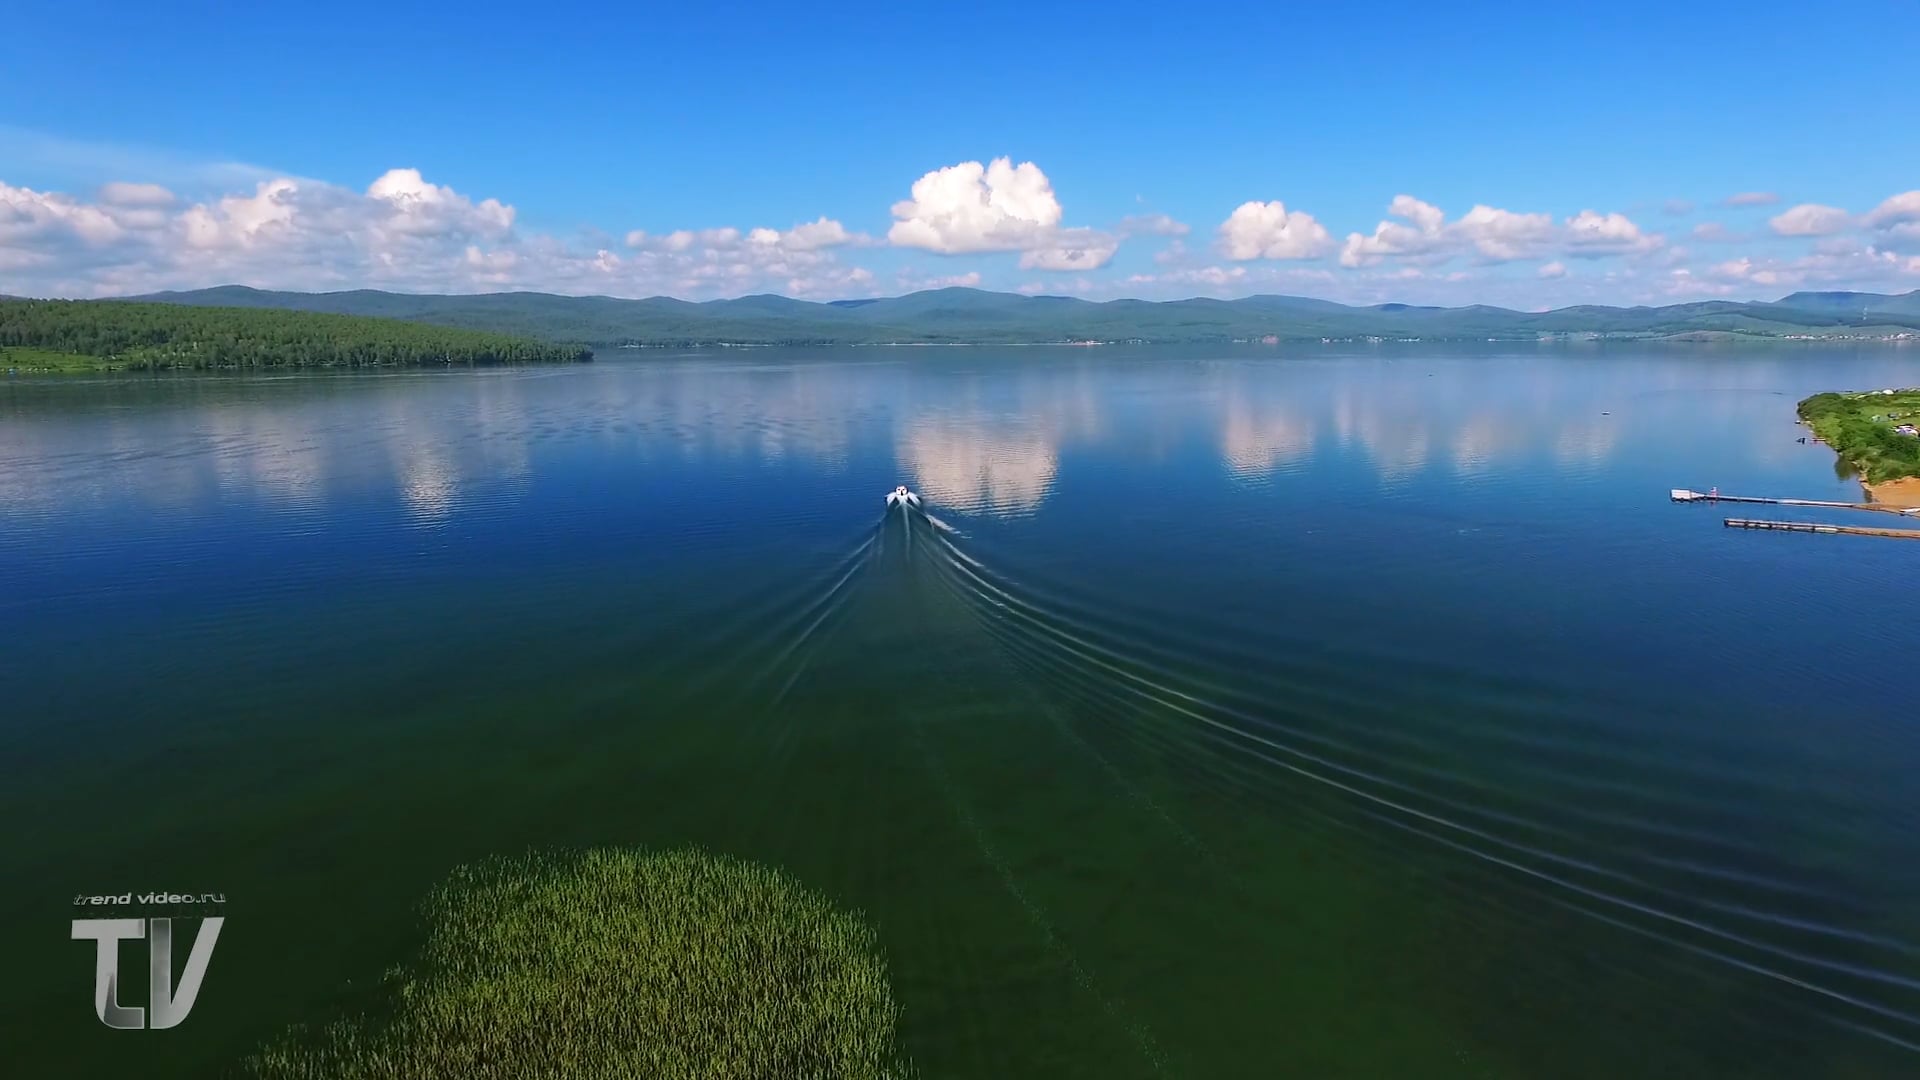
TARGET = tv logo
(169,1005)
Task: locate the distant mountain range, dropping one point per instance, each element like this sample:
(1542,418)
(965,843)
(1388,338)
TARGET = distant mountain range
(955,316)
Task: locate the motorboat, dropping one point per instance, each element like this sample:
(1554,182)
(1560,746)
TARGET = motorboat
(900,496)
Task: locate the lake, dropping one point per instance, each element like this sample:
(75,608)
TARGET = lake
(1335,712)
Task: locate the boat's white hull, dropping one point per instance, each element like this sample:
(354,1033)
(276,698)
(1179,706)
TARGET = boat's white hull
(895,498)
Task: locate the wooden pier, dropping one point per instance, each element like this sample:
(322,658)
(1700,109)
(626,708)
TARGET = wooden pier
(1820,527)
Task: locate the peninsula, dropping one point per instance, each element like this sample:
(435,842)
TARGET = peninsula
(1877,433)
(108,335)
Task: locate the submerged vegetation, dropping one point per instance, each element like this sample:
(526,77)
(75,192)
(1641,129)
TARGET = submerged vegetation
(110,335)
(1866,428)
(620,963)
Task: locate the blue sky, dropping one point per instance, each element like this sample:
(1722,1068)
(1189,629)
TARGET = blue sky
(591,123)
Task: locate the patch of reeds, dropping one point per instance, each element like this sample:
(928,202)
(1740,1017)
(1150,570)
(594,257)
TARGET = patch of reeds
(620,963)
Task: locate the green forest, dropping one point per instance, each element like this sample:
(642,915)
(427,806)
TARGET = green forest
(110,335)
(1864,428)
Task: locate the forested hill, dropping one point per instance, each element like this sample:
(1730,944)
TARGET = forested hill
(115,334)
(947,316)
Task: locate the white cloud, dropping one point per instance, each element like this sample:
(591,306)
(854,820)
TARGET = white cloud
(821,233)
(1840,266)
(1210,276)
(1502,235)
(1899,210)
(408,233)
(1751,198)
(1897,221)
(1257,230)
(402,232)
(30,218)
(1071,249)
(1810,219)
(971,208)
(1677,207)
(1392,238)
(1732,269)
(768,243)
(832,283)
(421,208)
(401,217)
(1424,235)
(1591,234)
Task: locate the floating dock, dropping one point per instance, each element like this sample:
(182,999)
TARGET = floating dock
(1684,495)
(1819,527)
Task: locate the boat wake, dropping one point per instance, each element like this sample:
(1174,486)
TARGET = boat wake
(1510,812)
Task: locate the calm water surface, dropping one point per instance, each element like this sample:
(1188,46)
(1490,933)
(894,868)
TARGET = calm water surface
(1233,713)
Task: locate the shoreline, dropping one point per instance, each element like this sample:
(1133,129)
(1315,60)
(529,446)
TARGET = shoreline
(1871,431)
(1902,493)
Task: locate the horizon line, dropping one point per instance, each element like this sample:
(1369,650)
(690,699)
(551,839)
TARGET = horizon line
(863,300)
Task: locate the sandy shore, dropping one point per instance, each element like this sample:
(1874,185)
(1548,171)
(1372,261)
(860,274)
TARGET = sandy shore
(1904,492)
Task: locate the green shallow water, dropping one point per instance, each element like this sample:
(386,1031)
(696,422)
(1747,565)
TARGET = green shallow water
(1363,713)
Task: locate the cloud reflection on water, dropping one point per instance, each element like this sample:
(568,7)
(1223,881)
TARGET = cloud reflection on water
(986,430)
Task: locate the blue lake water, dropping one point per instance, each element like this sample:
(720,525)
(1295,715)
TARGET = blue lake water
(1232,712)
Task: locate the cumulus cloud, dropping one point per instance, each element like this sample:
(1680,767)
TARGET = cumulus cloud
(1591,234)
(1424,234)
(1897,221)
(1257,230)
(1901,209)
(1503,235)
(30,219)
(1840,265)
(972,208)
(402,231)
(1751,198)
(1810,219)
(802,239)
(1677,207)
(1420,234)
(809,237)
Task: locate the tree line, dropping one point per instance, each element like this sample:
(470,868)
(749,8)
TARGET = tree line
(161,336)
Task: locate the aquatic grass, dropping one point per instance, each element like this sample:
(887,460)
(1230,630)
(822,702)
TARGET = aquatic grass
(45,361)
(620,963)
